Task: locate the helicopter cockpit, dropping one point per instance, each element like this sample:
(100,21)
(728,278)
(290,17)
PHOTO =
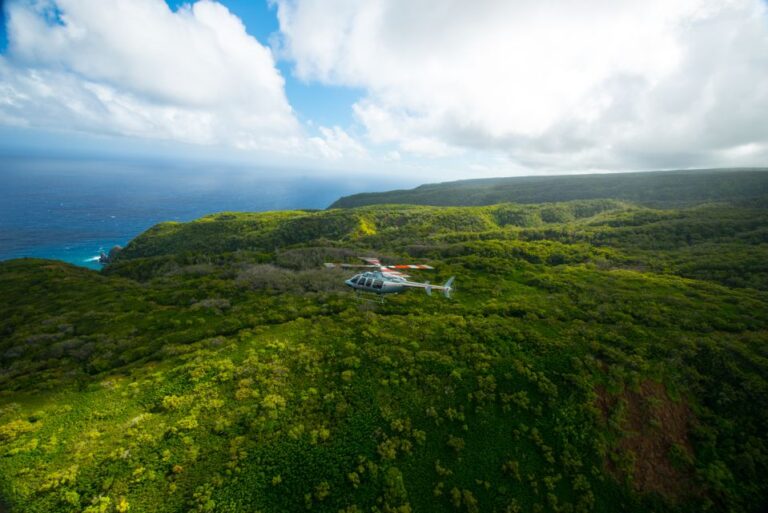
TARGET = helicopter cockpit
(366,281)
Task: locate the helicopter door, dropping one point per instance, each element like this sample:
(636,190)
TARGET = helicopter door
(369,282)
(378,284)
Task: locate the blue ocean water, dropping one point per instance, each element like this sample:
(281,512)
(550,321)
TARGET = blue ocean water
(70,209)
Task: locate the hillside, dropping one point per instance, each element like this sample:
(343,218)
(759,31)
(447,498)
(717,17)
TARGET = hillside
(656,189)
(597,356)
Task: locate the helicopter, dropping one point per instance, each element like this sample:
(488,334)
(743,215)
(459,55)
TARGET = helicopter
(387,279)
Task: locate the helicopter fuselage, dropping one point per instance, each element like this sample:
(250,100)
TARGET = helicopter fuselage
(376,282)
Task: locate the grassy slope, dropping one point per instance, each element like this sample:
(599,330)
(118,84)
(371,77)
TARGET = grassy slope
(659,189)
(216,367)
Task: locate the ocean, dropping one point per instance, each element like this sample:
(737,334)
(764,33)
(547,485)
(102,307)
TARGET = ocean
(71,210)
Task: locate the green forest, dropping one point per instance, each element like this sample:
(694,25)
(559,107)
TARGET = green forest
(662,189)
(597,355)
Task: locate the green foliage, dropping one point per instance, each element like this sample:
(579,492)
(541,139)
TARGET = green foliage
(594,353)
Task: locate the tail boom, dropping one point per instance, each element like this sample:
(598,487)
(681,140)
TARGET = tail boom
(446,288)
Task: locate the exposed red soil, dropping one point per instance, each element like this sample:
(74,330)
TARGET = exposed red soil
(651,425)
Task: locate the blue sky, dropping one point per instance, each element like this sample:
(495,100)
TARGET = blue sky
(3,35)
(395,86)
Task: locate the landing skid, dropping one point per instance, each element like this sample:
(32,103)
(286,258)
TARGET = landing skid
(369,298)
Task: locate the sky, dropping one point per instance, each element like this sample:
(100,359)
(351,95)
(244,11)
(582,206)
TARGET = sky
(448,89)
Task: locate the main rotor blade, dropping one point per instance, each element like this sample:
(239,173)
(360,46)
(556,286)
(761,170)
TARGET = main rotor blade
(374,263)
(408,266)
(330,265)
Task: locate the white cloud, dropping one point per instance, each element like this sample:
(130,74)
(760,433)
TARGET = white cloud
(588,84)
(335,143)
(137,68)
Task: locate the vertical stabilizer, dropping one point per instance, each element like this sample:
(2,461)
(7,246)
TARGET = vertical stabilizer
(448,287)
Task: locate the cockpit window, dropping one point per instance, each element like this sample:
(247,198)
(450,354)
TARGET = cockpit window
(368,282)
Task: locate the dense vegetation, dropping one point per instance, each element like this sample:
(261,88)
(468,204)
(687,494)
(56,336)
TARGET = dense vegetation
(597,356)
(659,189)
